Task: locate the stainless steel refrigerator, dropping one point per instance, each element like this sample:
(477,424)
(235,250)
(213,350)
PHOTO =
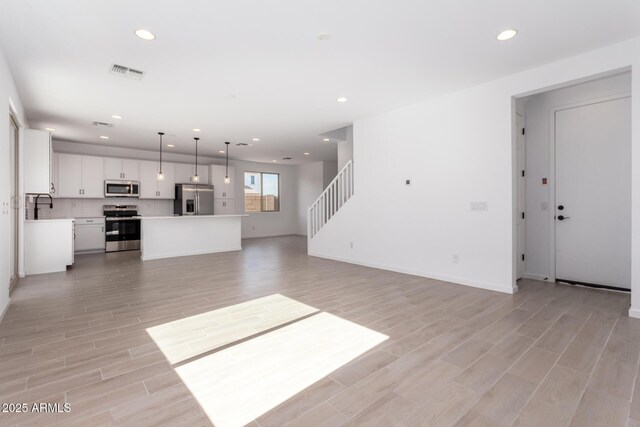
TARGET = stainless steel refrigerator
(193,199)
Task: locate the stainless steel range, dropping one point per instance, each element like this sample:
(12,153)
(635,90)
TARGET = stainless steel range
(122,230)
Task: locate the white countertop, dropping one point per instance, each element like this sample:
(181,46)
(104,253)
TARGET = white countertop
(192,216)
(49,220)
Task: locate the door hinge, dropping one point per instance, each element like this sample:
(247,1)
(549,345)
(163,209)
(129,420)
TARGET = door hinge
(522,215)
(523,172)
(523,131)
(523,257)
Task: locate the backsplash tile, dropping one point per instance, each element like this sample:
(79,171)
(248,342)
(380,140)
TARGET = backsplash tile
(76,208)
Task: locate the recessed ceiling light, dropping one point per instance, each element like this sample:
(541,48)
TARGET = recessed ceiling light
(273,161)
(507,34)
(50,129)
(116,116)
(170,145)
(323,37)
(327,139)
(221,151)
(104,137)
(342,99)
(196,130)
(256,139)
(144,34)
(306,154)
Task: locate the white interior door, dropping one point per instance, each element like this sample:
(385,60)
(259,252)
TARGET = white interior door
(520,216)
(593,193)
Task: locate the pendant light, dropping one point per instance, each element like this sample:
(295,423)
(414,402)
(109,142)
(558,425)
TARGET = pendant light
(227,180)
(160,174)
(196,178)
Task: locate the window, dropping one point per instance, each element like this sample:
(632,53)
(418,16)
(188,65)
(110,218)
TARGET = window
(261,192)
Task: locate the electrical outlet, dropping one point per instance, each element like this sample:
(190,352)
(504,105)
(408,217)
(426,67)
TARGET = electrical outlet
(456,259)
(351,245)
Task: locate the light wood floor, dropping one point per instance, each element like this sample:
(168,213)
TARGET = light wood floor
(548,355)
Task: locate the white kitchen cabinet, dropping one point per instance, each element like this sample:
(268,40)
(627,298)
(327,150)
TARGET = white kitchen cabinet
(92,177)
(220,189)
(223,206)
(69,167)
(48,245)
(150,187)
(184,173)
(90,235)
(124,169)
(167,187)
(79,176)
(38,168)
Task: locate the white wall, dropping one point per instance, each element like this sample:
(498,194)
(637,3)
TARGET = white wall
(457,149)
(537,111)
(345,148)
(329,171)
(265,224)
(8,94)
(313,178)
(310,186)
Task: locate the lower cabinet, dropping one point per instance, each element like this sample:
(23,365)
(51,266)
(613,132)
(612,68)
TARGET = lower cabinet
(224,207)
(90,235)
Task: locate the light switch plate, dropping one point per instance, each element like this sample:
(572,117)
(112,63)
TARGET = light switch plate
(479,206)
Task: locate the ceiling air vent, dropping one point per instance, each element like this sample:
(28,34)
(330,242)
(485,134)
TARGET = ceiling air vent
(242,144)
(286,158)
(121,70)
(103,124)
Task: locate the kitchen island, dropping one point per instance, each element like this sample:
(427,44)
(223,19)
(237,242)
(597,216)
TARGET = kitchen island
(175,236)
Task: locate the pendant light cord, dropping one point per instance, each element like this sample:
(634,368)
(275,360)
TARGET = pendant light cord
(161,134)
(226,168)
(196,155)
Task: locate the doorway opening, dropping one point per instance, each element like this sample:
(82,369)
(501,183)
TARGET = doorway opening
(13,200)
(577,184)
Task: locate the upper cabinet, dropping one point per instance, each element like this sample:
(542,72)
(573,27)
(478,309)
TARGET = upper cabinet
(185,172)
(150,187)
(220,189)
(124,169)
(38,168)
(79,176)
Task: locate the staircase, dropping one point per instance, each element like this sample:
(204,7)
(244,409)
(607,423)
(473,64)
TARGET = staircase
(331,200)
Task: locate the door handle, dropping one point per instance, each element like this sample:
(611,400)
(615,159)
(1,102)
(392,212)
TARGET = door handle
(562,217)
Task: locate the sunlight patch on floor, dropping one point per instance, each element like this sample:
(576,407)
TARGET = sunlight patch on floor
(190,337)
(238,384)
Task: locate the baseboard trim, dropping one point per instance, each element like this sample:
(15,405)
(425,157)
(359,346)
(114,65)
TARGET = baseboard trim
(540,277)
(5,309)
(261,236)
(178,255)
(634,312)
(444,278)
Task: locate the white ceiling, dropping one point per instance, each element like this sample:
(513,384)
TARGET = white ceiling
(239,69)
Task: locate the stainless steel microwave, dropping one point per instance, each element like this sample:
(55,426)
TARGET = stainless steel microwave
(115,188)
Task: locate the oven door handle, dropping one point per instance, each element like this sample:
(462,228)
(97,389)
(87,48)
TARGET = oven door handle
(112,233)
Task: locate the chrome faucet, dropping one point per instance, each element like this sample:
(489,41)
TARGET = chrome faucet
(36,208)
